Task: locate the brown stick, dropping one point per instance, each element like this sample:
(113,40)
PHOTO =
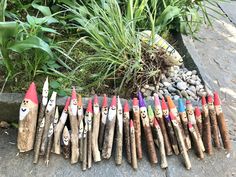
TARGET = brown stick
(181,140)
(49,115)
(206,134)
(197,144)
(81,131)
(222,124)
(95,131)
(127,132)
(184,120)
(214,127)
(28,120)
(134,161)
(66,143)
(84,163)
(103,122)
(157,132)
(88,121)
(198,119)
(137,128)
(119,133)
(59,127)
(109,131)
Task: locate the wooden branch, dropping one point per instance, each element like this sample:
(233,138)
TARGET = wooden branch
(206,134)
(81,131)
(103,122)
(109,130)
(214,124)
(147,131)
(134,161)
(84,163)
(66,143)
(127,132)
(184,120)
(49,115)
(198,119)
(59,127)
(192,120)
(137,128)
(159,116)
(222,124)
(119,133)
(28,120)
(88,121)
(181,140)
(196,142)
(74,128)
(95,131)
(169,127)
(41,121)
(157,132)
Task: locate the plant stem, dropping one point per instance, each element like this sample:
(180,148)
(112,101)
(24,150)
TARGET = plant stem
(7,61)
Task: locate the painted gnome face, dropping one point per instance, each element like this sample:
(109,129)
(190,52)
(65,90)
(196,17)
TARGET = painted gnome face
(143,112)
(158,112)
(165,112)
(105,110)
(51,104)
(25,108)
(184,115)
(81,129)
(50,132)
(136,108)
(218,109)
(126,116)
(210,105)
(96,108)
(73,106)
(66,139)
(88,118)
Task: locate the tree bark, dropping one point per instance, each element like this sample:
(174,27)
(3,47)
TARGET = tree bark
(184,120)
(127,136)
(134,161)
(214,127)
(206,135)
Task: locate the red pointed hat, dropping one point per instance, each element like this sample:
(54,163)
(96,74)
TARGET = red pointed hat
(95,99)
(126,106)
(216,99)
(73,94)
(89,108)
(197,111)
(135,102)
(209,99)
(170,102)
(188,102)
(113,101)
(203,100)
(31,93)
(163,104)
(190,125)
(79,102)
(131,123)
(104,101)
(67,103)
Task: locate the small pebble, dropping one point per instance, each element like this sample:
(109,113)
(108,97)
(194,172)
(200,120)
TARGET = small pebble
(189,73)
(146,86)
(181,85)
(194,72)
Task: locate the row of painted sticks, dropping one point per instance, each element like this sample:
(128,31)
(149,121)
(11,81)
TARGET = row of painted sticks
(92,134)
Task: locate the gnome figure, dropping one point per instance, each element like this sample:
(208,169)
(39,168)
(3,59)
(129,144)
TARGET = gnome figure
(28,120)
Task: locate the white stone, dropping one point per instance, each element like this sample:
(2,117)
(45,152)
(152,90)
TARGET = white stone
(181,85)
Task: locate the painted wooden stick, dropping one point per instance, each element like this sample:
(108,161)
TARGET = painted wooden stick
(85,142)
(169,127)
(109,130)
(184,119)
(198,119)
(147,130)
(41,121)
(221,123)
(160,139)
(103,122)
(119,133)
(88,121)
(214,124)
(134,161)
(206,132)
(74,128)
(80,109)
(49,116)
(192,120)
(174,110)
(59,128)
(80,125)
(196,143)
(81,138)
(50,135)
(127,132)
(159,116)
(95,131)
(137,128)
(181,140)
(66,143)
(28,120)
